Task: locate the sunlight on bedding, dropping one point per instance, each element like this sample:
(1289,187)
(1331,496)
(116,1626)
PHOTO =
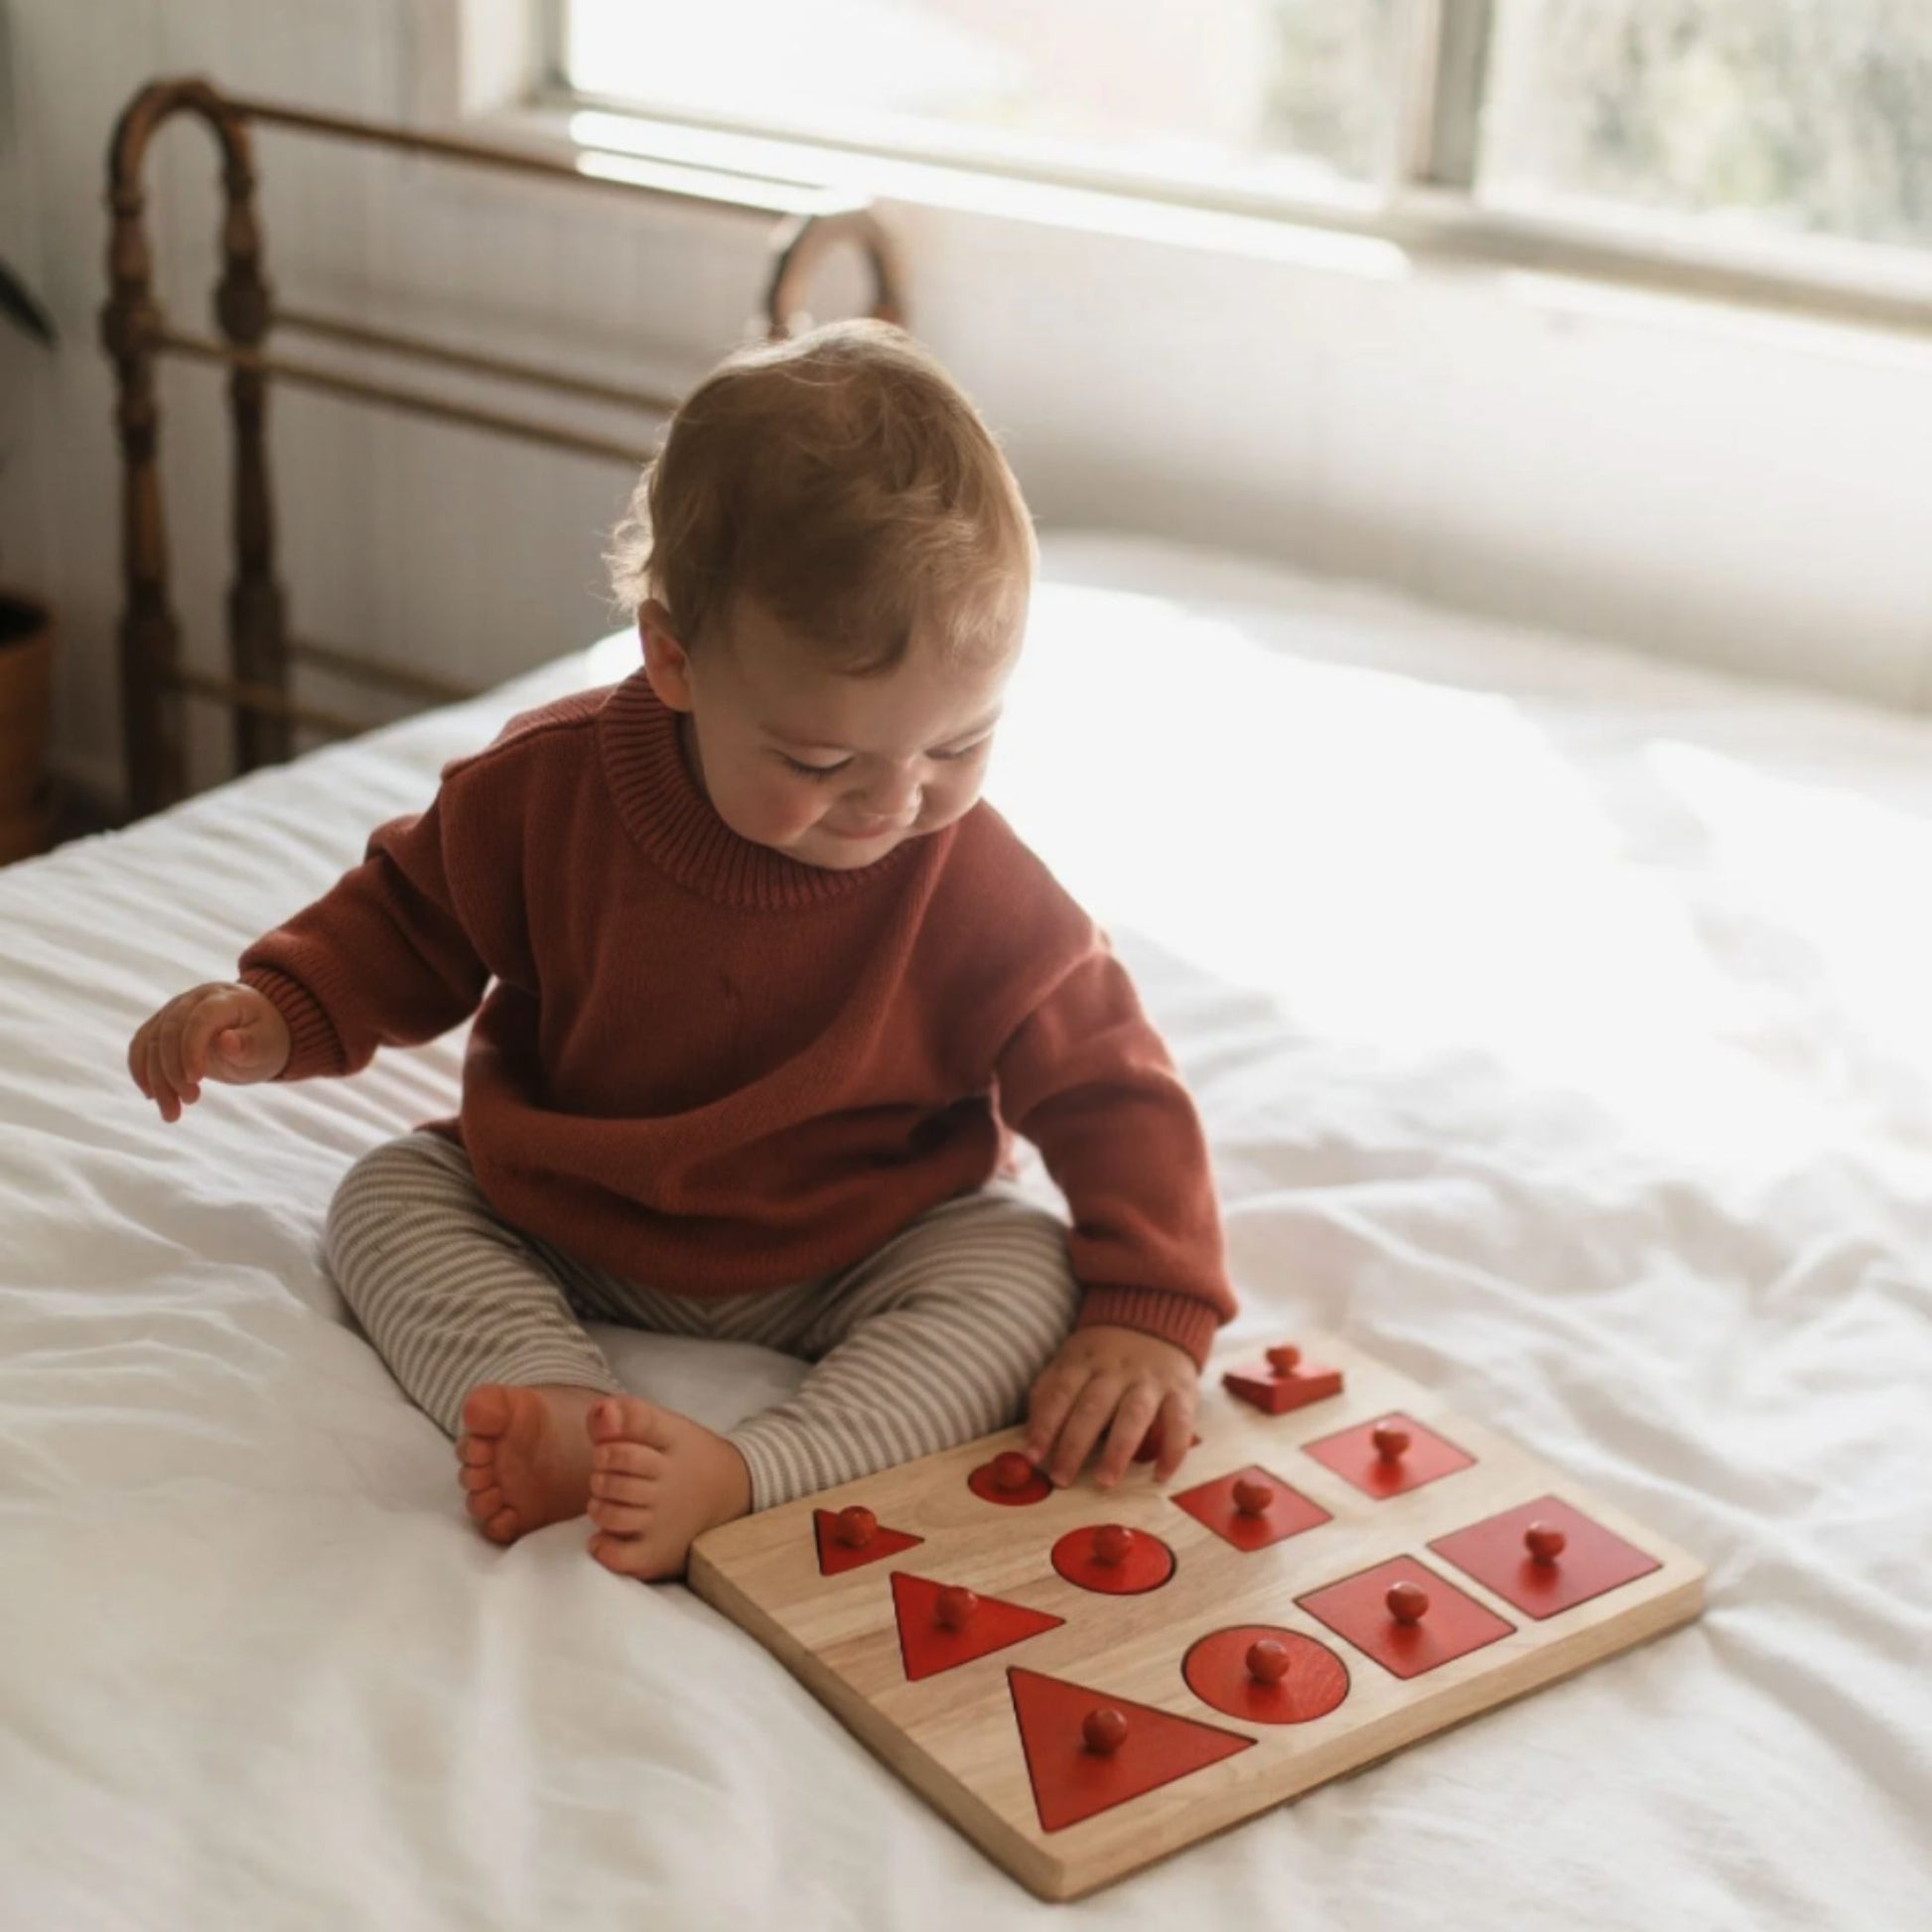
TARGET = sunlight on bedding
(1503,891)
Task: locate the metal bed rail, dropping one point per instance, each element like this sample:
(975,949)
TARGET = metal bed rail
(802,224)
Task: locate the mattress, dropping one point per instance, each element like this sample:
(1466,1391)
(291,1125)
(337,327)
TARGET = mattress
(1562,1022)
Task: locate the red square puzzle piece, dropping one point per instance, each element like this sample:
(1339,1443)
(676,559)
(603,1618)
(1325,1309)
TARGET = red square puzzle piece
(1353,1457)
(1289,1512)
(1357,1608)
(1592,1561)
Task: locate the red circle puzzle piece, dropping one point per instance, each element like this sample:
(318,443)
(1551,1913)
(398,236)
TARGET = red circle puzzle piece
(1221,1671)
(1139,1562)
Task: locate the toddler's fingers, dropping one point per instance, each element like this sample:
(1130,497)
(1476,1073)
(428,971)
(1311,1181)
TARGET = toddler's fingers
(1176,1425)
(171,1031)
(216,1024)
(195,1036)
(1137,1409)
(1082,1430)
(159,1091)
(1052,1396)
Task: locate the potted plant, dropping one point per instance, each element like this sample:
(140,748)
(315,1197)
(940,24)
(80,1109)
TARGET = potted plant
(26,658)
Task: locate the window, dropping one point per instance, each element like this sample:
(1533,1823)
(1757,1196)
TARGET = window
(1288,92)
(1742,132)
(1755,114)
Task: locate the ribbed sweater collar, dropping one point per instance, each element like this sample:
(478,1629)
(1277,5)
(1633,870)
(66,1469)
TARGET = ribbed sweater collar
(663,810)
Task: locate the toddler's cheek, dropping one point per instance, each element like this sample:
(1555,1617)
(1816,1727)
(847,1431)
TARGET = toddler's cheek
(945,803)
(774,816)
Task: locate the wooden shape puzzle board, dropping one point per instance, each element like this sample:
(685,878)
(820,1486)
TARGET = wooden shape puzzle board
(1009,1744)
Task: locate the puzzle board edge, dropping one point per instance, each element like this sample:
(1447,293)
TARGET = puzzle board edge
(956,1803)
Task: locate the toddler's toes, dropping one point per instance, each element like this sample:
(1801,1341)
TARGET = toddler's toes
(659,1480)
(484,1503)
(488,1408)
(620,1488)
(629,1459)
(493,1515)
(523,1461)
(631,1419)
(621,1519)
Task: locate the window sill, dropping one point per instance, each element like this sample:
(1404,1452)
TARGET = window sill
(1836,305)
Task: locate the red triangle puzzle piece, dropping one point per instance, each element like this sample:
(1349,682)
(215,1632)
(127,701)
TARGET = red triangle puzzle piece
(836,1556)
(929,1646)
(1072,1780)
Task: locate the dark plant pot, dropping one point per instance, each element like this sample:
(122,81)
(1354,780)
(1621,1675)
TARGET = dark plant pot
(26,705)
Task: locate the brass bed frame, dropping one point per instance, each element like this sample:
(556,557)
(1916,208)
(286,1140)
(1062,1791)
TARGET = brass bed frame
(136,332)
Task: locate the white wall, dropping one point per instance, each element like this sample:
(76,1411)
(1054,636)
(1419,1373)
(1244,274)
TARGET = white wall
(1698,484)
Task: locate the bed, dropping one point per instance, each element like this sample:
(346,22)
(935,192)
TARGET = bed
(1561,1024)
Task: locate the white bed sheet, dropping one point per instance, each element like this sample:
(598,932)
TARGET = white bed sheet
(1563,1027)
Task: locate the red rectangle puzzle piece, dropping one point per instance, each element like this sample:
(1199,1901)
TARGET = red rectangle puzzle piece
(1389,1455)
(1405,1617)
(1543,1557)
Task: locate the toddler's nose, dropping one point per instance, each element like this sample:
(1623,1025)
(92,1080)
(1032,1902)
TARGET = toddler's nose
(893,797)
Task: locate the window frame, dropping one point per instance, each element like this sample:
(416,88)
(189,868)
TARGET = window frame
(1423,201)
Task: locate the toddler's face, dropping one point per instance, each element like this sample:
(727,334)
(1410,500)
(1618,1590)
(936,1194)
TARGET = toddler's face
(828,768)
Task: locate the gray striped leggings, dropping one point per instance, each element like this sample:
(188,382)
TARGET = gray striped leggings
(928,1343)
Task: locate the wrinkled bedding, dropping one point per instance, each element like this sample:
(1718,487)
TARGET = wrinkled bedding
(1562,1025)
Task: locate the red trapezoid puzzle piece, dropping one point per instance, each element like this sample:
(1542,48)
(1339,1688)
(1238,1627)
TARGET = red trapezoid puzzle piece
(835,1556)
(1282,1381)
(1072,1780)
(927,1645)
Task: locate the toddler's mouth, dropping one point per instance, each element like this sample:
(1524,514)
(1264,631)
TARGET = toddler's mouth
(861,837)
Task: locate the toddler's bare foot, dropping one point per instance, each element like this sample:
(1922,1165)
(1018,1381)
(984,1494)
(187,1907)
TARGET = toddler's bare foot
(523,1456)
(659,1480)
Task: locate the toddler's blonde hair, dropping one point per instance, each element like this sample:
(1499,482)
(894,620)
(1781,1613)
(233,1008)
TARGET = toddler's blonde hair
(843,481)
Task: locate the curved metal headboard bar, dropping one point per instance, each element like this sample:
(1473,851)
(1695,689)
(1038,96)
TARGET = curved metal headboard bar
(135,332)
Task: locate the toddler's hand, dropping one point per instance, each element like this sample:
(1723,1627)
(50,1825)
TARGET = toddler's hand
(1121,1376)
(221,1032)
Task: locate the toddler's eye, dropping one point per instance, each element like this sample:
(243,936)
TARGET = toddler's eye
(811,771)
(965,752)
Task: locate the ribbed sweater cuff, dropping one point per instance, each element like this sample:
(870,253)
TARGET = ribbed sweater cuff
(312,1046)
(1183,1319)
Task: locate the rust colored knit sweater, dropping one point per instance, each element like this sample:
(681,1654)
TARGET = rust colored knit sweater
(714,1069)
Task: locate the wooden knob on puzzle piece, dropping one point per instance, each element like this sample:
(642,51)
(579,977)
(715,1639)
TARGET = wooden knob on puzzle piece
(1390,1440)
(1408,1602)
(1105,1730)
(1111,1543)
(1267,1660)
(856,1526)
(1012,1470)
(1283,1358)
(956,1606)
(1251,1498)
(1543,1542)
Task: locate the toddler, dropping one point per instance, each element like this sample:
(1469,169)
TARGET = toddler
(761,991)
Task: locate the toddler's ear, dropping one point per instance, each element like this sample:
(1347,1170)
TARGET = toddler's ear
(666,664)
